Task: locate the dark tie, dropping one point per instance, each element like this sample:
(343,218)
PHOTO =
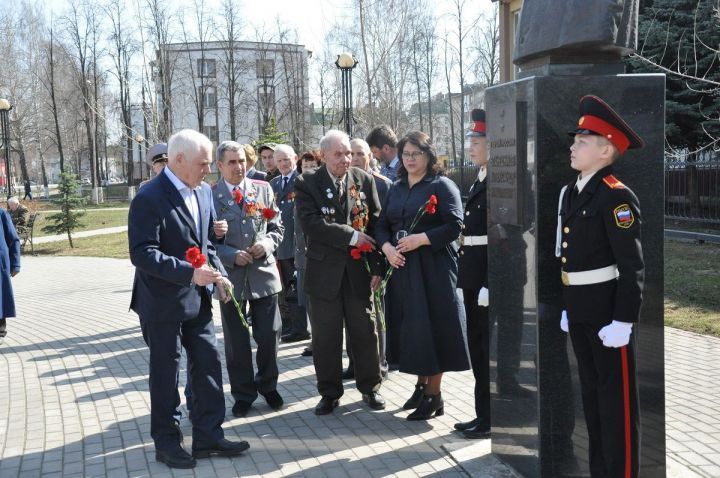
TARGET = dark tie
(285,181)
(574,195)
(339,187)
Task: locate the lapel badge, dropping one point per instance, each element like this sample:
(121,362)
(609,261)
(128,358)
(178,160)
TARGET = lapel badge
(362,195)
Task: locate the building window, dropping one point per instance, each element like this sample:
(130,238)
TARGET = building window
(209,96)
(210,132)
(265,68)
(266,98)
(206,67)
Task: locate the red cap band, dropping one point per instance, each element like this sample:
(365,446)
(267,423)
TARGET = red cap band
(606,130)
(479,127)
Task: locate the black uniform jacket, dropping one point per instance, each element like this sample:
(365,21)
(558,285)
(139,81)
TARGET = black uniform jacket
(328,230)
(473,261)
(601,227)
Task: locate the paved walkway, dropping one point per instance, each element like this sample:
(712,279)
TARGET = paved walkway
(76,235)
(74,398)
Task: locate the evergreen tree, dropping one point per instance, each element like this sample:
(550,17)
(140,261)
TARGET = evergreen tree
(67,220)
(271,134)
(684,36)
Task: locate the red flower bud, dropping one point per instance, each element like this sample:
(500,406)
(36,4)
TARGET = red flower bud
(433,200)
(195,257)
(356,253)
(237,196)
(268,213)
(365,247)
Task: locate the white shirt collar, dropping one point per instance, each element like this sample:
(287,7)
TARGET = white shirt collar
(482,173)
(393,164)
(241,184)
(581,183)
(177,182)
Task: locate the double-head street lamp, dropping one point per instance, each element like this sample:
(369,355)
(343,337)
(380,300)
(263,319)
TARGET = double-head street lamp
(346,62)
(5,108)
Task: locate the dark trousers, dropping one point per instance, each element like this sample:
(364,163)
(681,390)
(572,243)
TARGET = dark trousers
(327,326)
(478,337)
(165,339)
(610,402)
(297,315)
(244,382)
(3,327)
(381,345)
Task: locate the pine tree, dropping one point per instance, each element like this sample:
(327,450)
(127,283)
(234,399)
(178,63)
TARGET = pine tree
(684,36)
(271,134)
(67,220)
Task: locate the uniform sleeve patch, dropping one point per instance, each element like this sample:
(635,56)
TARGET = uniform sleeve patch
(624,217)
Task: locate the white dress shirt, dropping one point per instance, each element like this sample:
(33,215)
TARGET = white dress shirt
(190,199)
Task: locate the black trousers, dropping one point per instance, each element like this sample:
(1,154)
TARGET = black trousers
(165,340)
(3,327)
(610,402)
(297,314)
(327,325)
(244,382)
(478,337)
(381,345)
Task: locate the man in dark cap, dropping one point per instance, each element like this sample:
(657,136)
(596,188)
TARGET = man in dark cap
(267,152)
(598,242)
(157,159)
(472,279)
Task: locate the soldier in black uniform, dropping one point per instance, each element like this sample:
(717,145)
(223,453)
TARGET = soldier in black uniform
(472,279)
(598,242)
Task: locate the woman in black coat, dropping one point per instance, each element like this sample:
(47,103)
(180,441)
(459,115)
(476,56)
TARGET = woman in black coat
(422,300)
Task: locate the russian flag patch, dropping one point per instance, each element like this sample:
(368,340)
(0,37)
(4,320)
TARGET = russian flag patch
(623,216)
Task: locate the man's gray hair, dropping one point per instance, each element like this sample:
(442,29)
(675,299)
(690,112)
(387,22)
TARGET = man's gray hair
(332,136)
(13,200)
(363,144)
(284,148)
(187,141)
(229,146)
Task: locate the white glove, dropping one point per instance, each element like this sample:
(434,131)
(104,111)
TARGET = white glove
(564,326)
(616,334)
(484,297)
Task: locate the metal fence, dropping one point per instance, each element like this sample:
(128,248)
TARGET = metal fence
(463,176)
(692,188)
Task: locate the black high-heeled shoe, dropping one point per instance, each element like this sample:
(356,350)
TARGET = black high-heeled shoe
(414,401)
(431,405)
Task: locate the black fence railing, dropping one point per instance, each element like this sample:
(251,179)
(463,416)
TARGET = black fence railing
(692,188)
(463,176)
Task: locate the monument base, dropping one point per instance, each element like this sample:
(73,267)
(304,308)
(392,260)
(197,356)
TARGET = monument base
(538,427)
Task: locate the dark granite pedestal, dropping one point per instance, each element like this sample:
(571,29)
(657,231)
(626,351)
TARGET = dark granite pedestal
(537,419)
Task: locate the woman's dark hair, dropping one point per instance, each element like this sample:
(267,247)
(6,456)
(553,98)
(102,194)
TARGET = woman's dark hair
(421,141)
(309,156)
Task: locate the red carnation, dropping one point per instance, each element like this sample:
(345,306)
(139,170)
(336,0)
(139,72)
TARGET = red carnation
(195,257)
(365,247)
(433,200)
(268,213)
(356,253)
(237,196)
(431,205)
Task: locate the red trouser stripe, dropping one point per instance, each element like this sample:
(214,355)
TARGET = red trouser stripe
(626,400)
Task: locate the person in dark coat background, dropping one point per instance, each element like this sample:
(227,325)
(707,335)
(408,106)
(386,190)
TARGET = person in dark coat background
(422,297)
(473,280)
(10,257)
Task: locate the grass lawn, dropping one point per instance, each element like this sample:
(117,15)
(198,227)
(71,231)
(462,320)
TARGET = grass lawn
(107,245)
(692,287)
(93,219)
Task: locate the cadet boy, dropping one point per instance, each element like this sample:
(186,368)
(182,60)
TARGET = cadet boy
(598,242)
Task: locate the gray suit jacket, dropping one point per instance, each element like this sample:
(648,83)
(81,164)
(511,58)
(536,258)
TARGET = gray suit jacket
(261,277)
(285,201)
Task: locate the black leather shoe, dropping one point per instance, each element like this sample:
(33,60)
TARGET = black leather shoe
(349,374)
(240,409)
(480,430)
(462,426)
(273,399)
(513,389)
(221,447)
(374,400)
(414,401)
(307,352)
(175,457)
(430,405)
(294,337)
(326,405)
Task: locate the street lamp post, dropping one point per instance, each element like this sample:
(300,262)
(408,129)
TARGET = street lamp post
(140,139)
(346,62)
(5,108)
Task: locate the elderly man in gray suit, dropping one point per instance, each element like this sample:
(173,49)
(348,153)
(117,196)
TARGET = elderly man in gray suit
(284,187)
(247,254)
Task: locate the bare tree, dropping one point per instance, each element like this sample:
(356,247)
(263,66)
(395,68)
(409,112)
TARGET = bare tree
(485,45)
(233,65)
(449,63)
(158,28)
(50,85)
